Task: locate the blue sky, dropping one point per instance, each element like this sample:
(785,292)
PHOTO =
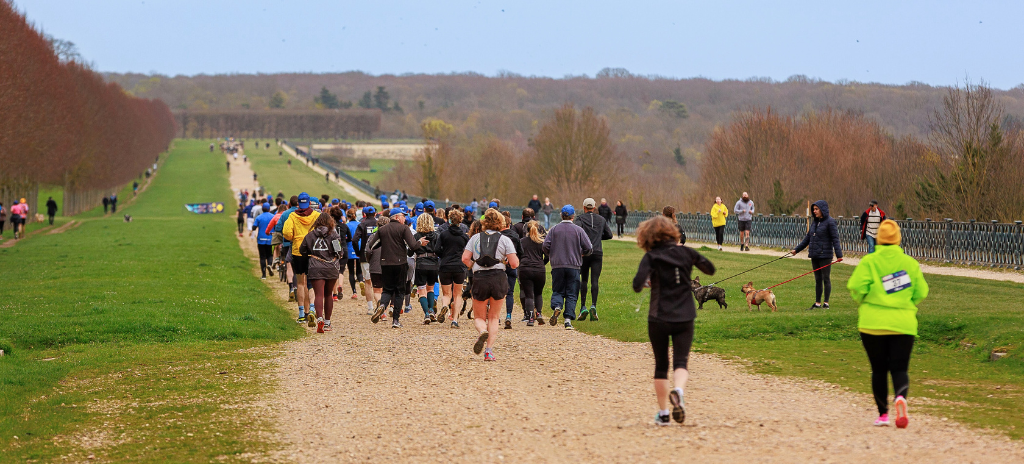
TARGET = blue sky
(937,42)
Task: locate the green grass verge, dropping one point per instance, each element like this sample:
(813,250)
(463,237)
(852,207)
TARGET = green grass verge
(275,175)
(961,322)
(137,341)
(379,168)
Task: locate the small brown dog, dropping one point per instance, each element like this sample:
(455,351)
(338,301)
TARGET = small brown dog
(756,297)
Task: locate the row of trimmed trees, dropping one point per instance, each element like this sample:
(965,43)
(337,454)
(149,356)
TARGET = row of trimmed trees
(61,124)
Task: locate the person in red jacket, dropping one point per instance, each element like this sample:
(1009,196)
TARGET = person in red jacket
(869,222)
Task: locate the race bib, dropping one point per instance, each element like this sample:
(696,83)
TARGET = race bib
(896,282)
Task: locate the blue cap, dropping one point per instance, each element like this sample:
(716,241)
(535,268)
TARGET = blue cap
(428,204)
(492,204)
(569,210)
(334,201)
(384,205)
(369,210)
(468,209)
(303,200)
(419,205)
(395,211)
(266,206)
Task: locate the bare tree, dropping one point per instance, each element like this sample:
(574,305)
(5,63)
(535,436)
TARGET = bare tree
(573,152)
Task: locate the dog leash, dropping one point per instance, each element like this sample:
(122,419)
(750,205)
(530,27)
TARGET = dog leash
(748,270)
(804,274)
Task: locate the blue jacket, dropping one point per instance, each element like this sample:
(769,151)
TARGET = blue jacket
(822,237)
(352,233)
(260,224)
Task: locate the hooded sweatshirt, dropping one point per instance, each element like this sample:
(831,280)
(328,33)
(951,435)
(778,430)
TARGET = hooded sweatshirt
(668,265)
(324,263)
(297,226)
(822,237)
(449,247)
(744,210)
(888,285)
(596,228)
(566,244)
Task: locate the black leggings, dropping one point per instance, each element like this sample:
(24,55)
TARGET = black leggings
(241,225)
(591,269)
(681,334)
(531,285)
(822,279)
(266,255)
(719,234)
(888,354)
(356,273)
(621,228)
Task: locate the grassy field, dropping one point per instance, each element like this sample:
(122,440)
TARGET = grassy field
(275,175)
(137,341)
(961,322)
(378,169)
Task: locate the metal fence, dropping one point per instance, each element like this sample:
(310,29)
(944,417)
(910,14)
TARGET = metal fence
(970,243)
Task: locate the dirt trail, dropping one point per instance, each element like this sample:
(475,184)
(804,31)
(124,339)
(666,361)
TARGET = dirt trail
(370,393)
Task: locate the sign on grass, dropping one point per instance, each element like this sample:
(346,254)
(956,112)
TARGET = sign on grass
(205,208)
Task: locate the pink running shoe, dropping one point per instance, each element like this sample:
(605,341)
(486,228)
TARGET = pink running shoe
(882,421)
(902,419)
(488,356)
(320,326)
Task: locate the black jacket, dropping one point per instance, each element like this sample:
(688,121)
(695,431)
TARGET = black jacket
(395,242)
(597,229)
(449,247)
(366,227)
(426,258)
(822,237)
(605,211)
(620,214)
(534,205)
(533,257)
(669,265)
(51,207)
(518,244)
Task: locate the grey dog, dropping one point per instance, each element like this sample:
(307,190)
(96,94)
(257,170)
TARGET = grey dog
(702,294)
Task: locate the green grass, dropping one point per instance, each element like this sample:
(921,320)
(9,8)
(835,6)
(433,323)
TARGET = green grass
(379,168)
(154,328)
(958,313)
(275,175)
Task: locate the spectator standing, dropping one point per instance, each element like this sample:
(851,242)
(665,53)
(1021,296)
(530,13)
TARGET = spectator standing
(821,240)
(113,203)
(718,214)
(744,210)
(547,209)
(869,222)
(605,211)
(51,209)
(620,217)
(106,204)
(534,204)
(565,244)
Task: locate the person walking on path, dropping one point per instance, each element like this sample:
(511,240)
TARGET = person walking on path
(295,228)
(366,227)
(322,247)
(345,240)
(597,229)
(547,210)
(666,268)
(51,209)
(532,272)
(511,274)
(488,254)
(821,240)
(395,241)
(744,210)
(887,285)
(605,211)
(264,239)
(451,271)
(355,267)
(285,250)
(670,213)
(534,204)
(135,188)
(565,244)
(113,203)
(718,214)
(106,204)
(3,219)
(620,217)
(427,266)
(16,217)
(869,222)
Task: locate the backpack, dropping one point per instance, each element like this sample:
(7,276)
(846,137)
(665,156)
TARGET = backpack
(488,248)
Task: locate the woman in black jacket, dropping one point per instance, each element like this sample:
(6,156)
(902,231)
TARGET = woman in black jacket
(532,273)
(426,267)
(451,272)
(821,240)
(620,217)
(666,268)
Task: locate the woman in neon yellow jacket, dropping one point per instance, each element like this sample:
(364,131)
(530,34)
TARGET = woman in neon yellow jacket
(888,285)
(718,214)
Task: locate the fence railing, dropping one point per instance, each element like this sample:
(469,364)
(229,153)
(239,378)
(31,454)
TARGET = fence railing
(969,243)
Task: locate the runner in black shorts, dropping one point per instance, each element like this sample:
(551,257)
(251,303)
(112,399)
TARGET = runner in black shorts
(451,272)
(426,267)
(487,253)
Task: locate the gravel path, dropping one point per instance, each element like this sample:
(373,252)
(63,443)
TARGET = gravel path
(370,393)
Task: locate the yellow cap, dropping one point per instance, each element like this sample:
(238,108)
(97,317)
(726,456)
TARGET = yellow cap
(889,233)
(22,200)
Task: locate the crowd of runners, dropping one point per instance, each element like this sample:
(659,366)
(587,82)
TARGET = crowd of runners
(456,263)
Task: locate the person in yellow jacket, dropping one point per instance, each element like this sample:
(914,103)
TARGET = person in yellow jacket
(888,285)
(299,223)
(718,214)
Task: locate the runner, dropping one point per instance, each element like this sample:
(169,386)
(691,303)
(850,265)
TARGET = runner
(744,210)
(355,268)
(295,228)
(323,248)
(255,209)
(23,212)
(363,231)
(15,217)
(395,239)
(532,274)
(565,244)
(597,229)
(3,218)
(345,238)
(263,240)
(511,274)
(243,212)
(488,254)
(375,287)
(888,285)
(427,267)
(451,272)
(666,268)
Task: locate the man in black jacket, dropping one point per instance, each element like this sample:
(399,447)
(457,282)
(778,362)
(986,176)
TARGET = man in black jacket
(534,204)
(597,229)
(605,211)
(396,241)
(51,209)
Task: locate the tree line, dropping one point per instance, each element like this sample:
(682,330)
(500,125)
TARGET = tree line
(62,124)
(336,124)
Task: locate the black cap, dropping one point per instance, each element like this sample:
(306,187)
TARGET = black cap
(873,202)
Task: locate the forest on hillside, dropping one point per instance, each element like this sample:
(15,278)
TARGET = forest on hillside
(661,130)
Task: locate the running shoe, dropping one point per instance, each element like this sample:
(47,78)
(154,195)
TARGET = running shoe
(391,312)
(407,309)
(362,287)
(291,295)
(443,315)
(813,307)
(540,318)
(593,314)
(426,321)
(335,297)
(319,326)
(662,420)
(469,315)
(433,317)
(354,296)
(455,324)
(568,325)
(678,409)
(396,325)
(825,305)
(584,312)
(902,419)
(479,345)
(525,319)
(488,356)
(508,324)
(300,320)
(270,270)
(530,323)
(882,421)
(311,319)
(554,316)
(263,278)
(377,313)
(327,327)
